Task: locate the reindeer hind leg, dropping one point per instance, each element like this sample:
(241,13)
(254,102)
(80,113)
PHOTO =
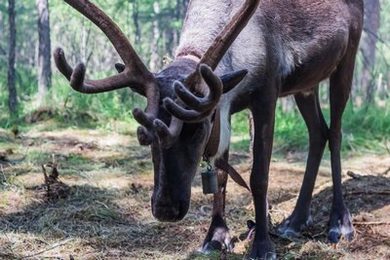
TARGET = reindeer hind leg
(310,109)
(340,223)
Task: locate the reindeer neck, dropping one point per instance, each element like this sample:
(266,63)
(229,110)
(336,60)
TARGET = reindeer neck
(204,21)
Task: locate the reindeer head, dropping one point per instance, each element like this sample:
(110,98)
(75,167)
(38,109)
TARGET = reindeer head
(181,103)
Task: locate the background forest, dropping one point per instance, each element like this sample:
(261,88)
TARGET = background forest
(30,30)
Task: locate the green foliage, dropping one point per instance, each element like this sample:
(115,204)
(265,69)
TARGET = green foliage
(367,128)
(364,129)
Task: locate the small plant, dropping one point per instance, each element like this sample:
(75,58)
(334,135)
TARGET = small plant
(55,189)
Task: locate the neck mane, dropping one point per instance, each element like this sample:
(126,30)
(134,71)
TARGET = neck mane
(203,22)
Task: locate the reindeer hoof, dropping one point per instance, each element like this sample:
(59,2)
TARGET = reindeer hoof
(262,251)
(292,229)
(340,225)
(211,246)
(288,233)
(220,241)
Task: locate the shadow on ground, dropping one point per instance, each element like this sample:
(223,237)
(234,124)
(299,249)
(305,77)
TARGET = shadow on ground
(107,212)
(92,215)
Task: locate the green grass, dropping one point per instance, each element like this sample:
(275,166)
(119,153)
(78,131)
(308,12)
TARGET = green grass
(364,129)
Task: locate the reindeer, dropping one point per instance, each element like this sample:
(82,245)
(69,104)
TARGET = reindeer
(235,55)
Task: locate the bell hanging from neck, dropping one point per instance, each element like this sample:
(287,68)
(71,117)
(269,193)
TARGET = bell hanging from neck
(209,180)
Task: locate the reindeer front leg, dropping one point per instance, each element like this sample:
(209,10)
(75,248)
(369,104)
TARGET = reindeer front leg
(263,110)
(218,236)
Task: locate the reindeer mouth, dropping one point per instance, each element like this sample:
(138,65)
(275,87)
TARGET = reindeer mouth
(169,212)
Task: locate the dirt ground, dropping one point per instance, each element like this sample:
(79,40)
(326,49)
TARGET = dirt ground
(103,209)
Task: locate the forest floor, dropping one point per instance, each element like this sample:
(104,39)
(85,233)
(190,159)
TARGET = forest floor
(101,207)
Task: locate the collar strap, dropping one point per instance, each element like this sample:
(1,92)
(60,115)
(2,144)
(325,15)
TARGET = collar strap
(215,136)
(236,177)
(212,149)
(190,52)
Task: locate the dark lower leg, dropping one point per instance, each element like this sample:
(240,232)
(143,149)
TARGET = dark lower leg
(340,220)
(318,131)
(335,146)
(340,86)
(263,117)
(218,236)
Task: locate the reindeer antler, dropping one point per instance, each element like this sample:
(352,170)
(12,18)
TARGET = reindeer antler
(202,107)
(167,135)
(134,73)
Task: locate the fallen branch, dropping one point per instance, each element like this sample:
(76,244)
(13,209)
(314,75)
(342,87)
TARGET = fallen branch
(205,210)
(373,223)
(354,175)
(386,172)
(61,243)
(384,193)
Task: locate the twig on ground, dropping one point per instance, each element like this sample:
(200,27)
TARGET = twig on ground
(291,239)
(372,223)
(205,210)
(385,193)
(55,245)
(386,172)
(318,235)
(354,175)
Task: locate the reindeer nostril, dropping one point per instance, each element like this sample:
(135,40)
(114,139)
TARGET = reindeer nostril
(166,214)
(169,212)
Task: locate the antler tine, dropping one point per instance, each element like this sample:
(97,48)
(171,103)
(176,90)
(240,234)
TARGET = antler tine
(199,107)
(61,63)
(77,81)
(144,132)
(189,116)
(167,135)
(201,104)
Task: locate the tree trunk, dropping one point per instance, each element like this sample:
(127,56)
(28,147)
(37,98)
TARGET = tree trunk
(181,8)
(44,50)
(287,104)
(135,16)
(154,64)
(368,48)
(12,95)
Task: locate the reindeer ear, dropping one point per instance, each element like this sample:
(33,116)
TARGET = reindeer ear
(231,80)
